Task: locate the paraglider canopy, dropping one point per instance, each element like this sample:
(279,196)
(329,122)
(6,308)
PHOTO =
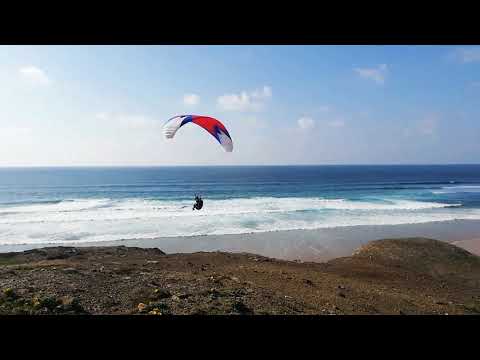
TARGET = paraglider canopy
(213,126)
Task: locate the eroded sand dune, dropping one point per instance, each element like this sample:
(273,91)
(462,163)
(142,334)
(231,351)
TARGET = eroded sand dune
(396,276)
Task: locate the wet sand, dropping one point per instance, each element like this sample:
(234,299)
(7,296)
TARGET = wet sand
(306,245)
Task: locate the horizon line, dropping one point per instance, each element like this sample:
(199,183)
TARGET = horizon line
(223,165)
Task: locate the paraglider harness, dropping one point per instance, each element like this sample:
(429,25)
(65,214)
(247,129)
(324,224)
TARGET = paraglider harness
(198,203)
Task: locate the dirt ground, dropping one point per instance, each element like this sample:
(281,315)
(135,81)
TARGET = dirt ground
(396,276)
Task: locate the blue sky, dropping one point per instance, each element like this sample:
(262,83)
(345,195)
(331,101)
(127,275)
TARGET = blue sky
(105,105)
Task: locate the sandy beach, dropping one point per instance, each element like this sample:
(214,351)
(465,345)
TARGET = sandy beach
(306,245)
(472,245)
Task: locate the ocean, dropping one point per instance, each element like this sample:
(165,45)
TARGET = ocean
(104,204)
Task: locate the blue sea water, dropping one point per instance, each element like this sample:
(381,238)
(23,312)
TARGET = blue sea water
(65,205)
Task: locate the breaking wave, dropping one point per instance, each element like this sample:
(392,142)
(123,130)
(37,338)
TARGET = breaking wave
(95,220)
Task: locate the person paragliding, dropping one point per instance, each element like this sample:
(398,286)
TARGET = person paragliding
(213,126)
(198,203)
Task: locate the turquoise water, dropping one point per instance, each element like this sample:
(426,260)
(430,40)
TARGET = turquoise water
(65,205)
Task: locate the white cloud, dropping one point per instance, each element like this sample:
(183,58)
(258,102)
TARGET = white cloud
(407,132)
(265,92)
(249,121)
(245,101)
(191,99)
(424,126)
(34,74)
(306,123)
(13,132)
(15,136)
(129,121)
(428,126)
(102,116)
(377,74)
(135,121)
(468,55)
(336,123)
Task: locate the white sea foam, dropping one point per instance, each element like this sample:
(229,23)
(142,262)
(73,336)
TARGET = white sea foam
(92,220)
(112,210)
(458,189)
(55,207)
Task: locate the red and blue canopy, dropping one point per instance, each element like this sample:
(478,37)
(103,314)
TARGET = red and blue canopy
(213,126)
